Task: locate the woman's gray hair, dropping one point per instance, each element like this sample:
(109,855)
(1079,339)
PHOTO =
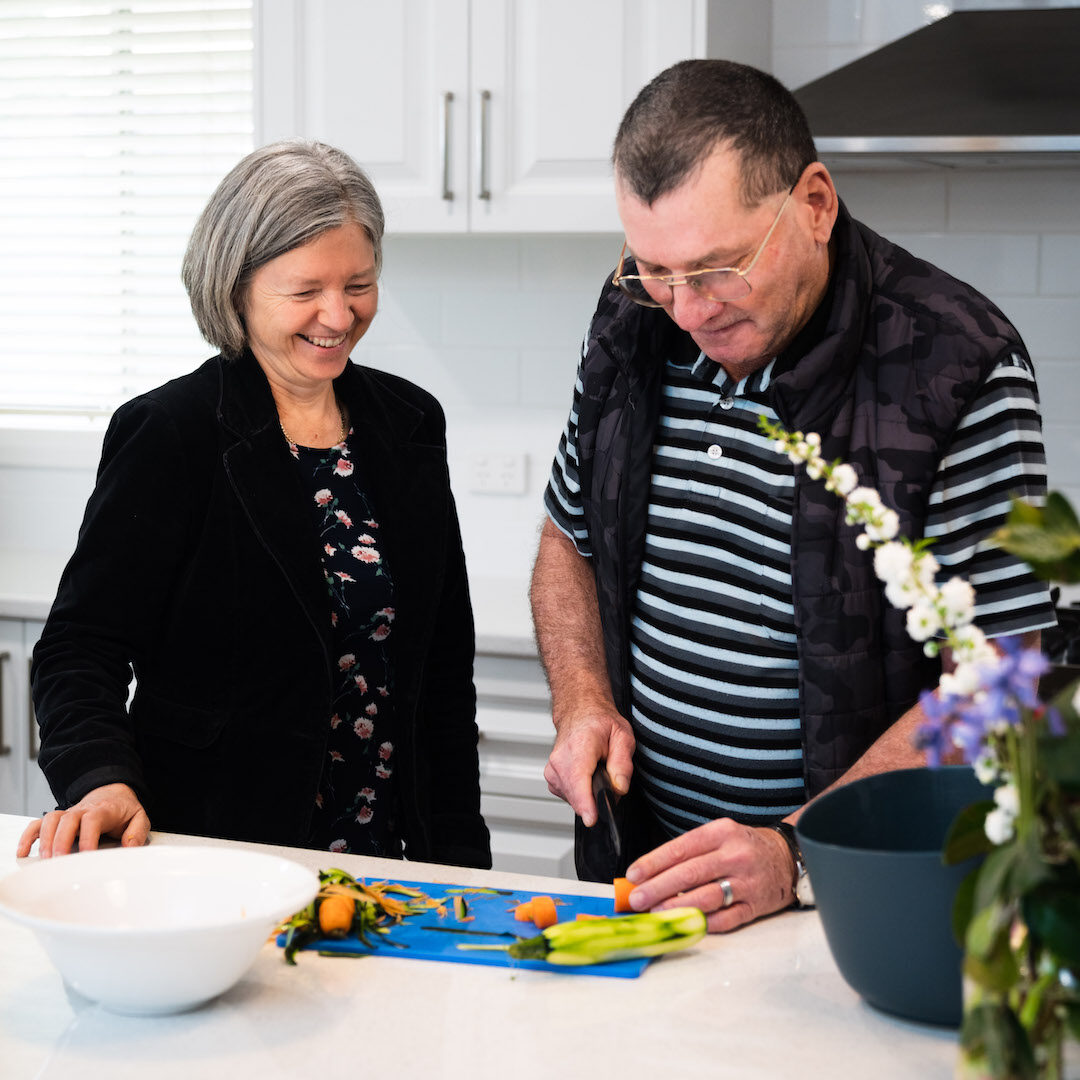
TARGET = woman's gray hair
(276,199)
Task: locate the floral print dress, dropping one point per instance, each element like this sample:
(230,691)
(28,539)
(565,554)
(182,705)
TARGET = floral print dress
(354,807)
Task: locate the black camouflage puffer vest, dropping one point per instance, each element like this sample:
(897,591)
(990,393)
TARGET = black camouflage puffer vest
(904,350)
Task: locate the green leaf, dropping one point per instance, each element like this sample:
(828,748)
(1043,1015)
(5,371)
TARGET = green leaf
(988,957)
(1031,868)
(1053,916)
(1047,538)
(1059,758)
(991,1033)
(967,834)
(964,907)
(1012,870)
(1059,514)
(994,875)
(1072,1021)
(998,971)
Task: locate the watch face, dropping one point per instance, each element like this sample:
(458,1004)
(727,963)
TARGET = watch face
(803,891)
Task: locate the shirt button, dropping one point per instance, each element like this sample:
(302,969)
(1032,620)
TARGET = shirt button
(726,403)
(715,451)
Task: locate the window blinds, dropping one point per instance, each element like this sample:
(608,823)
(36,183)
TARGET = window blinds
(117,120)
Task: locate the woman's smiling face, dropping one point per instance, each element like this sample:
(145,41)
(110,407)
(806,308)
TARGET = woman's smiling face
(305,310)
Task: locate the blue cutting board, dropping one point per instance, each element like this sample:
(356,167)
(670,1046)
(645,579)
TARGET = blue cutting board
(493,913)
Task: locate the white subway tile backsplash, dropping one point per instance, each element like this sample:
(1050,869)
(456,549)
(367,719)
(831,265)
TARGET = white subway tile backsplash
(460,378)
(1059,267)
(1059,390)
(569,263)
(1050,326)
(886,20)
(440,262)
(995,265)
(795,67)
(802,23)
(513,319)
(407,315)
(1062,454)
(547,377)
(1015,200)
(895,201)
(500,532)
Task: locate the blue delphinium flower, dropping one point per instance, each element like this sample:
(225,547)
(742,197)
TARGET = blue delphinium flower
(1017,672)
(935,736)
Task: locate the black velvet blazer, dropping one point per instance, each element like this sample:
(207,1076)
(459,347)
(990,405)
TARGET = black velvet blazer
(198,567)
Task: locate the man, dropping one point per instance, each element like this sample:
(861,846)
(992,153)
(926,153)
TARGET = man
(712,635)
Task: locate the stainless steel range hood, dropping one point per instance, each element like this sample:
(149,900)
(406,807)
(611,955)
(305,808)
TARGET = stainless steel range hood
(976,87)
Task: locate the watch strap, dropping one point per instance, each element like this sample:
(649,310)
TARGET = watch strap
(787,831)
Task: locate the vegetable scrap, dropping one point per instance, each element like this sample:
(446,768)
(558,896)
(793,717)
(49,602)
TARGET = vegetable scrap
(478,933)
(480,891)
(336,914)
(540,910)
(347,906)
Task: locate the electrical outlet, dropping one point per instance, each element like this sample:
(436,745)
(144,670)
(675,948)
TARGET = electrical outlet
(498,473)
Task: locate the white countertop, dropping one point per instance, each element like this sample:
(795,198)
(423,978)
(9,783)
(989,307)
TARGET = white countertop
(766,1001)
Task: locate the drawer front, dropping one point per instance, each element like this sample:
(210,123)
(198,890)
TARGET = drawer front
(532,831)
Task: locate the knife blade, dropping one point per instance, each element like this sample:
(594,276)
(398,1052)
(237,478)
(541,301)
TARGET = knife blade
(606,798)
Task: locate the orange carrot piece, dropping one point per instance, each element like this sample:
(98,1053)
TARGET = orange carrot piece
(543,912)
(623,888)
(524,912)
(336,915)
(588,915)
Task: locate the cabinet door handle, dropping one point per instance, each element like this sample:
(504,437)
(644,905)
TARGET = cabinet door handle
(4,748)
(485,104)
(448,103)
(31,716)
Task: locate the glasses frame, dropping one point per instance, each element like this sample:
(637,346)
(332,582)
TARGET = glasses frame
(690,278)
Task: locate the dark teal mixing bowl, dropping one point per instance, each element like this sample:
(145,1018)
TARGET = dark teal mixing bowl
(873,851)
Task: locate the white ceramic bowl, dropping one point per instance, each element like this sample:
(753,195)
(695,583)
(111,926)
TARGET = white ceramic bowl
(155,929)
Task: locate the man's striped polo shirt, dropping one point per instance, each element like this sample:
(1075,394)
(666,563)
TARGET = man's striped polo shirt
(714,679)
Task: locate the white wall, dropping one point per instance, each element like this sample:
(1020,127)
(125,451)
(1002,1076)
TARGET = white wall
(492,325)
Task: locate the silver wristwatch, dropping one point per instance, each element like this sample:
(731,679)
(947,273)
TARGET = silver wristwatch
(800,886)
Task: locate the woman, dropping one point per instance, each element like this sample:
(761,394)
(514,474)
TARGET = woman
(273,548)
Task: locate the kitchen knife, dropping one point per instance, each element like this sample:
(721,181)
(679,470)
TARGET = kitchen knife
(606,798)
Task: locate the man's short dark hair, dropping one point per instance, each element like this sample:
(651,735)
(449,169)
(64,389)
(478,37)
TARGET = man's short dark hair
(693,107)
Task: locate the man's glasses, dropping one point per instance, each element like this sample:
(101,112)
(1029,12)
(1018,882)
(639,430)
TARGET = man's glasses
(722,284)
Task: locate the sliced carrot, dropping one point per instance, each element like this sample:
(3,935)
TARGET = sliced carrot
(524,912)
(588,915)
(336,915)
(543,912)
(623,888)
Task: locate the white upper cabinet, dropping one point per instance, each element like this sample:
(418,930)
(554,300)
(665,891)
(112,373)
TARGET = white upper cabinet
(560,74)
(474,115)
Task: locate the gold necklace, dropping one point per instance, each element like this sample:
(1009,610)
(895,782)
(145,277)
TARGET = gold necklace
(293,442)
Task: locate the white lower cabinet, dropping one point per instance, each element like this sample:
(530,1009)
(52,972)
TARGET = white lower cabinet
(532,832)
(23,789)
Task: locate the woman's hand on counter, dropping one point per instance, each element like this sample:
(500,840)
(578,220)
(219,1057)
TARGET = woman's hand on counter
(113,810)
